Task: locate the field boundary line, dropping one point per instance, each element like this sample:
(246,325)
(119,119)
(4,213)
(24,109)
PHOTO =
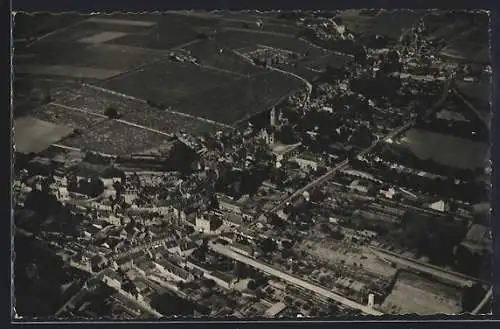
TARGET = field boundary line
(125,122)
(46,35)
(218,69)
(165,109)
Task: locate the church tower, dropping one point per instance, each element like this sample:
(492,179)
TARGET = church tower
(272,118)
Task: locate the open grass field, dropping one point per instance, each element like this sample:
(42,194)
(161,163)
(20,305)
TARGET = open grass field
(167,81)
(32,135)
(239,100)
(412,294)
(108,137)
(447,150)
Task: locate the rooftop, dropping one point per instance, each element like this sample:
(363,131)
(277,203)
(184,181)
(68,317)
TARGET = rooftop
(275,309)
(282,149)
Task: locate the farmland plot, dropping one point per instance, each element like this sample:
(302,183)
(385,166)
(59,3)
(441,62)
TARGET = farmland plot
(211,52)
(137,112)
(240,100)
(89,56)
(108,137)
(70,118)
(242,38)
(166,81)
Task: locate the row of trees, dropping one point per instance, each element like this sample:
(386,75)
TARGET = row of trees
(475,130)
(447,188)
(393,153)
(434,237)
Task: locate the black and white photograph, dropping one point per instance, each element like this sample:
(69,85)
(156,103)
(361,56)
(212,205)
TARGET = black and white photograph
(305,164)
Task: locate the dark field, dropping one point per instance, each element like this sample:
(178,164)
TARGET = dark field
(333,60)
(301,70)
(247,20)
(167,81)
(447,150)
(85,55)
(87,28)
(240,100)
(472,46)
(170,31)
(385,22)
(209,53)
(478,93)
(35,25)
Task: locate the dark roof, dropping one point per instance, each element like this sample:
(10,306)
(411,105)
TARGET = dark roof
(223,276)
(86,169)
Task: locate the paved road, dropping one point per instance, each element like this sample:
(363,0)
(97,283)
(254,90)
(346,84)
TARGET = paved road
(292,279)
(338,167)
(461,280)
(478,113)
(486,299)
(345,163)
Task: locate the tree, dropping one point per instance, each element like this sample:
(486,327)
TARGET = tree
(252,285)
(111,113)
(209,283)
(268,245)
(472,296)
(287,244)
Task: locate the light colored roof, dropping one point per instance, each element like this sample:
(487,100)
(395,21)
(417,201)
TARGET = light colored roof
(439,205)
(275,309)
(477,233)
(235,219)
(283,149)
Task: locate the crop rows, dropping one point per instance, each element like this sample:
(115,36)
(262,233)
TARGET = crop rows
(115,138)
(97,101)
(166,81)
(70,118)
(244,98)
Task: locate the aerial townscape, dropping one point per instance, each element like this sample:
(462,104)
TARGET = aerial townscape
(248,164)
